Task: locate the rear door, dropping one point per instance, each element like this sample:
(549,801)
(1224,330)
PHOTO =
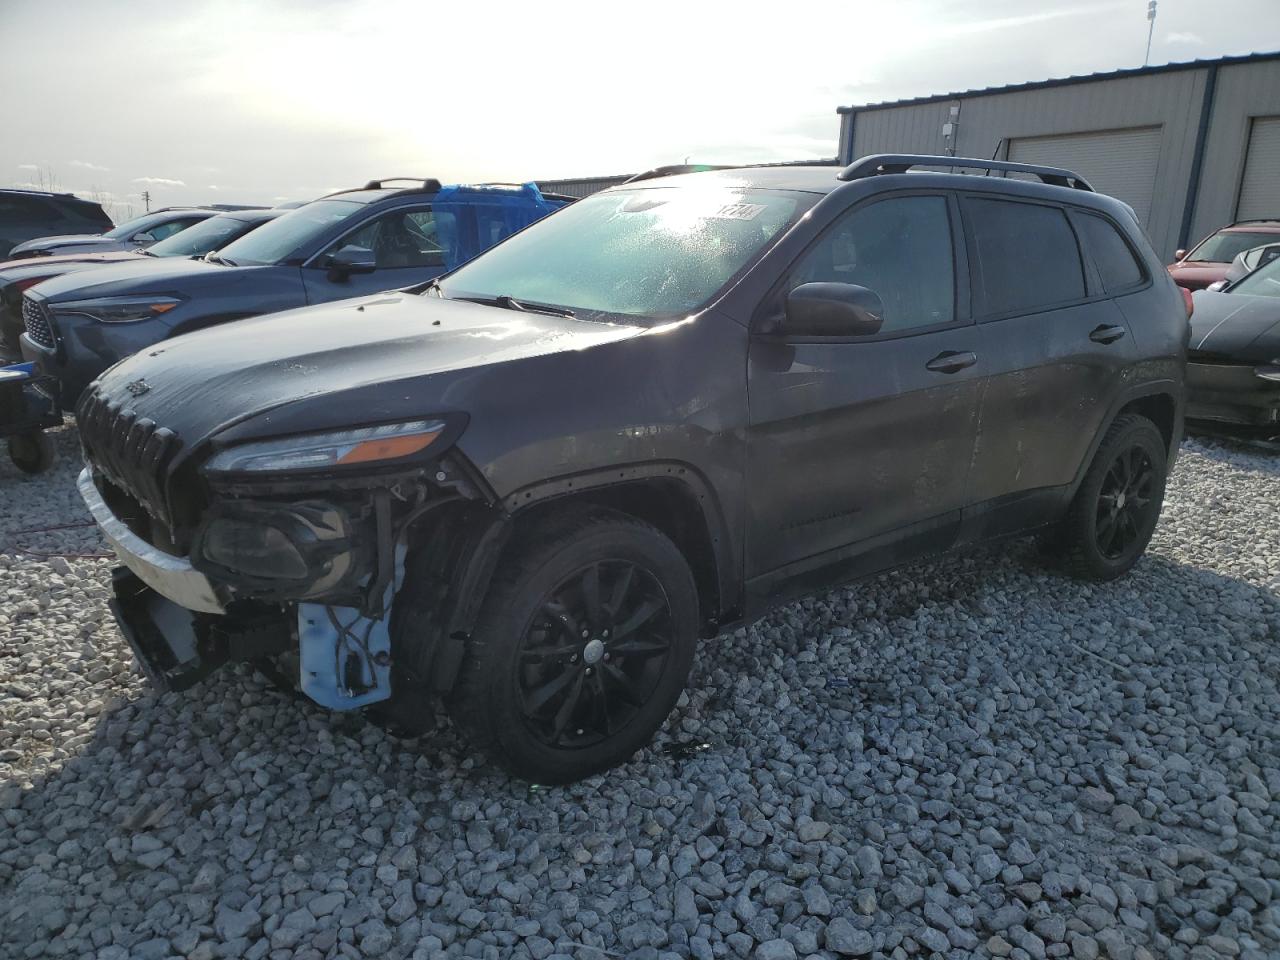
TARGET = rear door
(855,440)
(1054,345)
(406,247)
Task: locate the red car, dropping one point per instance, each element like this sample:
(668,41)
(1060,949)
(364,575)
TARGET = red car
(1209,259)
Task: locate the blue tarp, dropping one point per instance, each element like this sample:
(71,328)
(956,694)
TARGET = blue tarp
(483,215)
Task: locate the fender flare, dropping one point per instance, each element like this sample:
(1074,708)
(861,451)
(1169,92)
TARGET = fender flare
(1151,388)
(727,574)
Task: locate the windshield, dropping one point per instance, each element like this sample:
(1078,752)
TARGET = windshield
(1223,247)
(200,239)
(282,237)
(1263,282)
(642,252)
(130,227)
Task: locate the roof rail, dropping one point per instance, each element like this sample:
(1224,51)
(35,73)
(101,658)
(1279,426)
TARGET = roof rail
(675,169)
(886,163)
(429,184)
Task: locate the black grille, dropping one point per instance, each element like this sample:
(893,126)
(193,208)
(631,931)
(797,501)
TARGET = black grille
(37,321)
(133,452)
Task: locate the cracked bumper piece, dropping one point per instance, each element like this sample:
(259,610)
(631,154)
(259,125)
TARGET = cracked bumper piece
(165,638)
(172,577)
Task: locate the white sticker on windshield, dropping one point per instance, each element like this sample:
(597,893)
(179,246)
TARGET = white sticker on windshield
(739,211)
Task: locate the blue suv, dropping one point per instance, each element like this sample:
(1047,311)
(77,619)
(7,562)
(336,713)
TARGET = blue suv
(347,244)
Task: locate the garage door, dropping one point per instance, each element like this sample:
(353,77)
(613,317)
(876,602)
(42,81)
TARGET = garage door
(1260,189)
(1121,163)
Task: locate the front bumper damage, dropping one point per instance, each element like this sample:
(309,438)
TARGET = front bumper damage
(333,632)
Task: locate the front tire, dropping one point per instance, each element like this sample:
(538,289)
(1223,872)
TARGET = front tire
(582,647)
(1113,514)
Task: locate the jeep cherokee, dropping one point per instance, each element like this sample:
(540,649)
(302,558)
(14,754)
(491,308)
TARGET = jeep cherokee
(530,486)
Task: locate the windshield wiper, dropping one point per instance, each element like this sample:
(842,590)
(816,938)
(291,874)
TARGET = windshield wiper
(508,302)
(216,258)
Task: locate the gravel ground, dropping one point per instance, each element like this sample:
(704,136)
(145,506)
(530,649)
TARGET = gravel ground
(970,758)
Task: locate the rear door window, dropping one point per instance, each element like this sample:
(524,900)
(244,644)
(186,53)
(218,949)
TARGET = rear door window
(24,208)
(1024,257)
(1117,266)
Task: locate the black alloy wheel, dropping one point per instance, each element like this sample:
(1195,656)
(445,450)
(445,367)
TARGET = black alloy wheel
(583,644)
(1124,502)
(1116,507)
(593,654)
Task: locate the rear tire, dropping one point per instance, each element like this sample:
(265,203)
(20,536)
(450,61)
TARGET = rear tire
(582,647)
(32,452)
(1113,514)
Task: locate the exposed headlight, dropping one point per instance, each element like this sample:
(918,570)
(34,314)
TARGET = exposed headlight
(117,309)
(336,448)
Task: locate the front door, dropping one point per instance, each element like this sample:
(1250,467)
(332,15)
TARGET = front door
(406,248)
(861,443)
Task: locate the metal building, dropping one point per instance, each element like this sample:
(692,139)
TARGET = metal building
(582,186)
(1190,146)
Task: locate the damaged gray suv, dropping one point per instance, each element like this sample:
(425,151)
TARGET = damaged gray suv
(529,487)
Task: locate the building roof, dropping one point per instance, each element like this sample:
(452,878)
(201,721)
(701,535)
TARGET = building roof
(1068,81)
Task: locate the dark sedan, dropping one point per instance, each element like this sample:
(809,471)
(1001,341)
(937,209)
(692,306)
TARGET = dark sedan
(1233,368)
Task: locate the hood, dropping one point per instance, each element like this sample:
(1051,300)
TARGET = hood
(135,275)
(1197,275)
(310,366)
(1236,326)
(11,270)
(66,240)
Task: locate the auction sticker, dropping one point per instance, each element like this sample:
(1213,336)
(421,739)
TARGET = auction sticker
(739,211)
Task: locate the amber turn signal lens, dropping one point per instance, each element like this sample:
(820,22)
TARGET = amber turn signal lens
(389,448)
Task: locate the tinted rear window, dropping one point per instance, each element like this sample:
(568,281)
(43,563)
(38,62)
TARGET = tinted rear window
(1115,261)
(1025,257)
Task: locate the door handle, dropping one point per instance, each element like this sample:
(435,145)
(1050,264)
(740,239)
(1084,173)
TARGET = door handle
(952,361)
(1106,333)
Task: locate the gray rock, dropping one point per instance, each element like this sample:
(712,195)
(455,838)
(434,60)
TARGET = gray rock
(843,938)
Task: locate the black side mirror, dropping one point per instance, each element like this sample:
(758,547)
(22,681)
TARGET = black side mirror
(833,310)
(352,259)
(143,238)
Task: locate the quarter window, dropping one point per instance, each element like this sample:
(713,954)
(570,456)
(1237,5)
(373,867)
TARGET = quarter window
(1114,259)
(899,248)
(1025,257)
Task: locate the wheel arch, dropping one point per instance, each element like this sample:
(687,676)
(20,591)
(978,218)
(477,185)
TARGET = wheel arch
(672,496)
(1158,401)
(453,553)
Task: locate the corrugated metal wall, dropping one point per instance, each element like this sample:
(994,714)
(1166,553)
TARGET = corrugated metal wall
(1244,91)
(581,187)
(1171,101)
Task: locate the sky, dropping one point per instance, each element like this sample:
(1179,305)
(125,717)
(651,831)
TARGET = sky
(274,100)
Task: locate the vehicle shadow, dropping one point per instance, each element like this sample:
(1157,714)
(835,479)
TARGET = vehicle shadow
(214,814)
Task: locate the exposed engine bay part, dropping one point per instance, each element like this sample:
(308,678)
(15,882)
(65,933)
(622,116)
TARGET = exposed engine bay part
(346,654)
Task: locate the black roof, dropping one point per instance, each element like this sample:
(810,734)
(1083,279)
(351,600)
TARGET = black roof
(1068,81)
(63,195)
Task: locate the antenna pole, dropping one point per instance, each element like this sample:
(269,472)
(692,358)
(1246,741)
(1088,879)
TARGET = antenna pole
(1151,28)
